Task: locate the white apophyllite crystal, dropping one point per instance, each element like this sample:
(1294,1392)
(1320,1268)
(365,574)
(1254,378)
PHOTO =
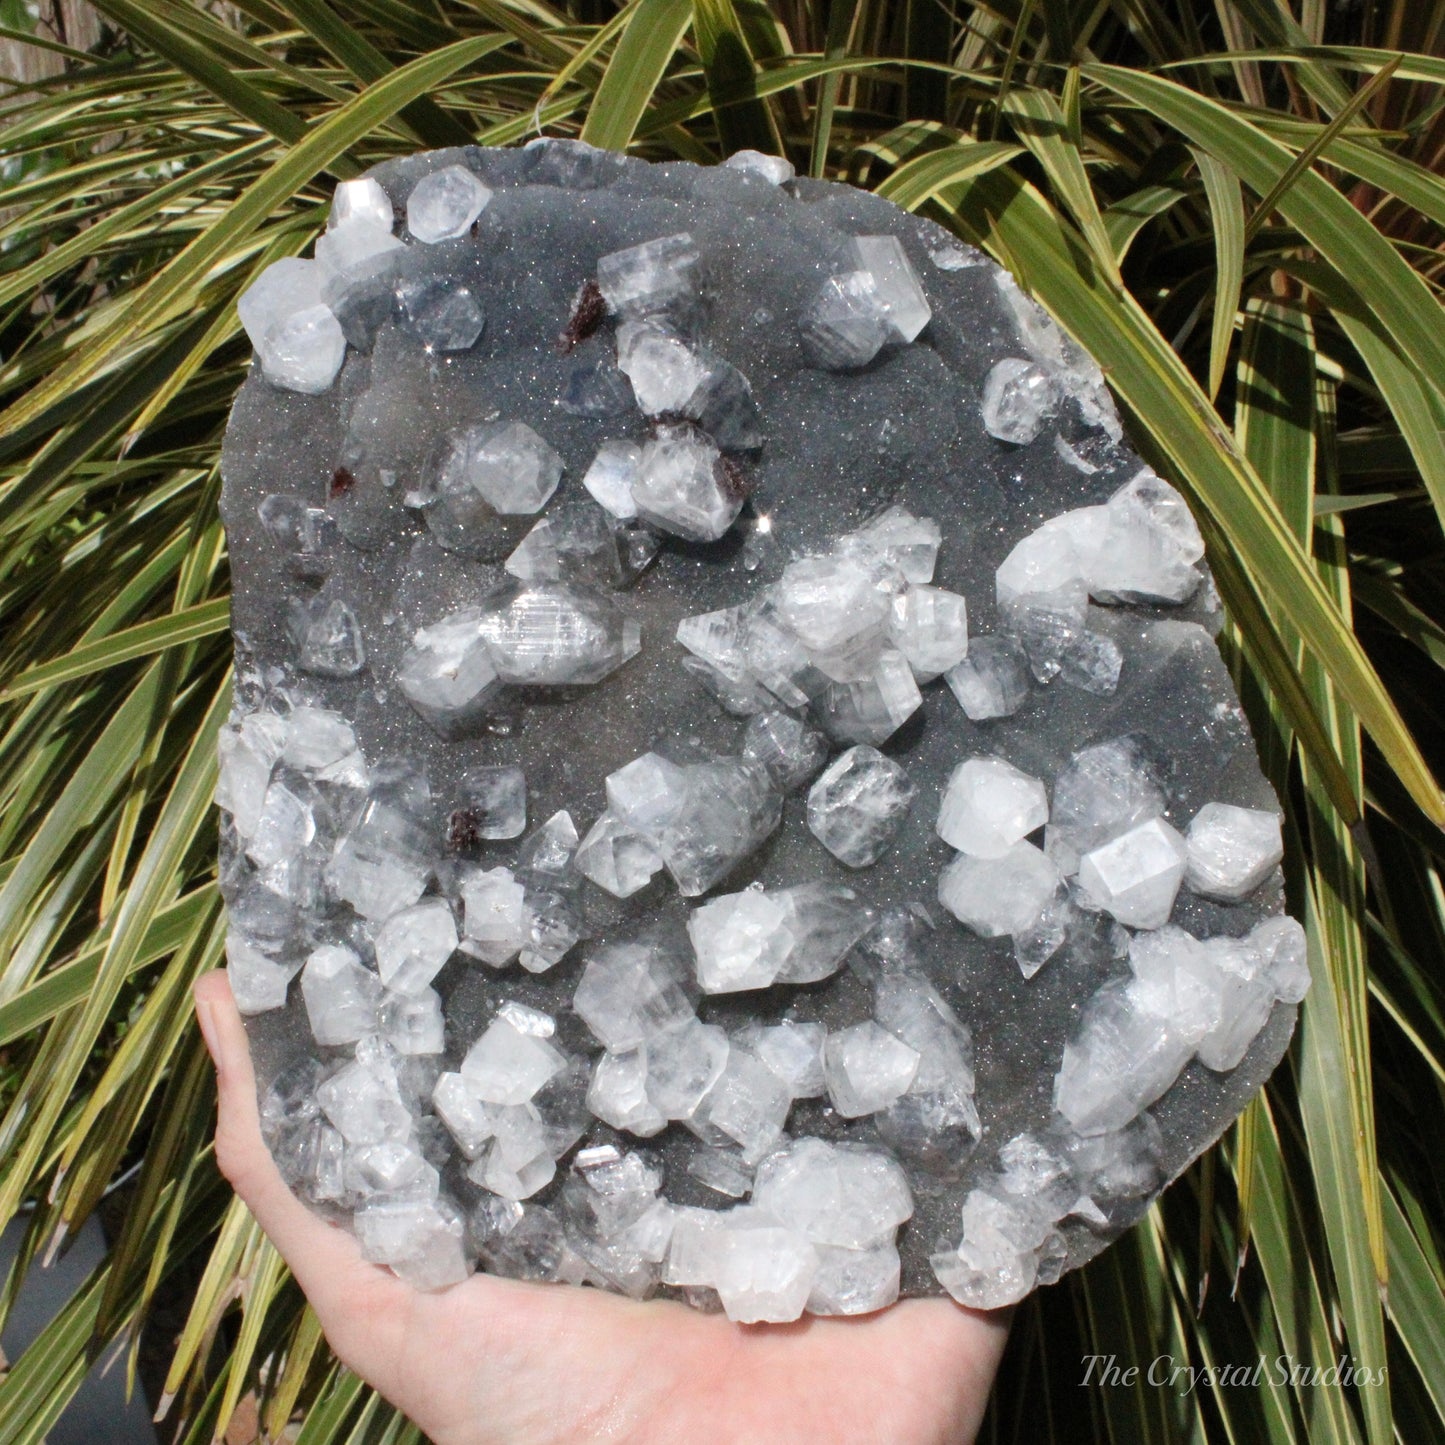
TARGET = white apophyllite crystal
(866,1069)
(444,318)
(361,200)
(647,279)
(793,1050)
(1018,398)
(683,1064)
(552,634)
(680,486)
(444,204)
(258,981)
(414,943)
(1105,790)
(992,681)
(749,1103)
(1231,850)
(631,992)
(740,941)
(299,341)
(495,921)
(507,1066)
(999,895)
(448,675)
(929,626)
(616,858)
(1137,876)
(989,805)
(845,1196)
(846,324)
(773,169)
(857,805)
(610,477)
(340,995)
(897,283)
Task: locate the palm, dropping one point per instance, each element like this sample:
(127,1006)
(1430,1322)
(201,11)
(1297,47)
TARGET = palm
(497,1360)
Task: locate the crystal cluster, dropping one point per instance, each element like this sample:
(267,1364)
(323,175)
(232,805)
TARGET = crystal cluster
(848,634)
(625,842)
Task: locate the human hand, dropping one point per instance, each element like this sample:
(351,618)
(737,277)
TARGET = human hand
(501,1360)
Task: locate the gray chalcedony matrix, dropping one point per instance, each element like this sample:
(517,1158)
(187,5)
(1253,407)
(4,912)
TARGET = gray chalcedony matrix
(732,792)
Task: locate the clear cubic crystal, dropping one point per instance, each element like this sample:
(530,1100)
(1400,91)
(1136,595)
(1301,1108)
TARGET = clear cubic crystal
(793,1050)
(340,995)
(1122,1059)
(866,1068)
(501,468)
(992,681)
(444,204)
(903,542)
(364,1104)
(897,284)
(834,606)
(763,1273)
(664,370)
(348,253)
(413,1023)
(1137,875)
(318,738)
(551,634)
(610,477)
(999,895)
(775,170)
(650,278)
(989,805)
(680,487)
(1018,398)
(739,940)
(855,1281)
(579,542)
(618,1094)
(380,865)
(858,804)
(724,811)
(413,945)
(749,1103)
(1231,850)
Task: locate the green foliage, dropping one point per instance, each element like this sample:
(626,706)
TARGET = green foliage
(1230,203)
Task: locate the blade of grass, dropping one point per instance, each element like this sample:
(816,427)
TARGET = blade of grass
(639,62)
(1226,215)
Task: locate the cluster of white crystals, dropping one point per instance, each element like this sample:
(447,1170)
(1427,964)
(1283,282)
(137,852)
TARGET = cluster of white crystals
(1141,546)
(513,1142)
(858,312)
(848,635)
